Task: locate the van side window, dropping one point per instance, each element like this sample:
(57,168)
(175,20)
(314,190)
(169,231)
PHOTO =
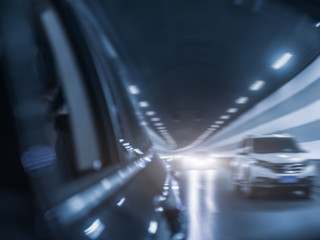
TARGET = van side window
(242,143)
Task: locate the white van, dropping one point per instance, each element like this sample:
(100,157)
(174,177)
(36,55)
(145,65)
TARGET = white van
(272,161)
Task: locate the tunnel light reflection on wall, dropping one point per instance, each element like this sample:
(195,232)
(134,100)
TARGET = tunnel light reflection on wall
(155,119)
(143,123)
(95,229)
(150,113)
(143,104)
(242,100)
(317,24)
(120,203)
(282,61)
(133,89)
(159,209)
(257,85)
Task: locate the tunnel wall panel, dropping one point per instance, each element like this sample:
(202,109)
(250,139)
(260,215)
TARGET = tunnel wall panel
(294,109)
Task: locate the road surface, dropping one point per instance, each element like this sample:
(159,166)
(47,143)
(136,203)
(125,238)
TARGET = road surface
(217,213)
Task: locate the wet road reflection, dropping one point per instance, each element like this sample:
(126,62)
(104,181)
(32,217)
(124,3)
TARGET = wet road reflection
(216,212)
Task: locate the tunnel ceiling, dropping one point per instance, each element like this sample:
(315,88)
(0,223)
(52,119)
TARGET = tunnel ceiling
(191,60)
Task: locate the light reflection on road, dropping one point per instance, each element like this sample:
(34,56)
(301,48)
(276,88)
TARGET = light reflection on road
(217,213)
(201,184)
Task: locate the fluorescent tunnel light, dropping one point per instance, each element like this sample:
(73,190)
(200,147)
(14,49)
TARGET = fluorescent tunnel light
(242,100)
(257,85)
(282,61)
(155,119)
(150,113)
(232,110)
(133,89)
(143,104)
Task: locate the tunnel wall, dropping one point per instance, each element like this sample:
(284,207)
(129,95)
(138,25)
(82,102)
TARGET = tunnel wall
(294,109)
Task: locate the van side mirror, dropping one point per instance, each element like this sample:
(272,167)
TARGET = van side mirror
(244,151)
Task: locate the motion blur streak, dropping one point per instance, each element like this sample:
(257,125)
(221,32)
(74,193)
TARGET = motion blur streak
(193,205)
(210,210)
(37,157)
(200,220)
(209,188)
(95,229)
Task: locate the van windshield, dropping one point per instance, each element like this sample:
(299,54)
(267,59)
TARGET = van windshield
(275,145)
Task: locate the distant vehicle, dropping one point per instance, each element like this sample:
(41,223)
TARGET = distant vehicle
(199,160)
(266,162)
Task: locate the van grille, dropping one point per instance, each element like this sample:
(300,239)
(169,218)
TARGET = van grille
(287,168)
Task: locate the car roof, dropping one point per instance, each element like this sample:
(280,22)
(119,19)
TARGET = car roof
(270,136)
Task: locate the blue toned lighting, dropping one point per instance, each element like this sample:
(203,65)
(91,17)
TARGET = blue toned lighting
(155,119)
(317,24)
(134,90)
(38,157)
(225,117)
(257,85)
(153,227)
(95,229)
(232,110)
(144,123)
(137,150)
(282,61)
(143,104)
(242,100)
(150,113)
(120,203)
(159,209)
